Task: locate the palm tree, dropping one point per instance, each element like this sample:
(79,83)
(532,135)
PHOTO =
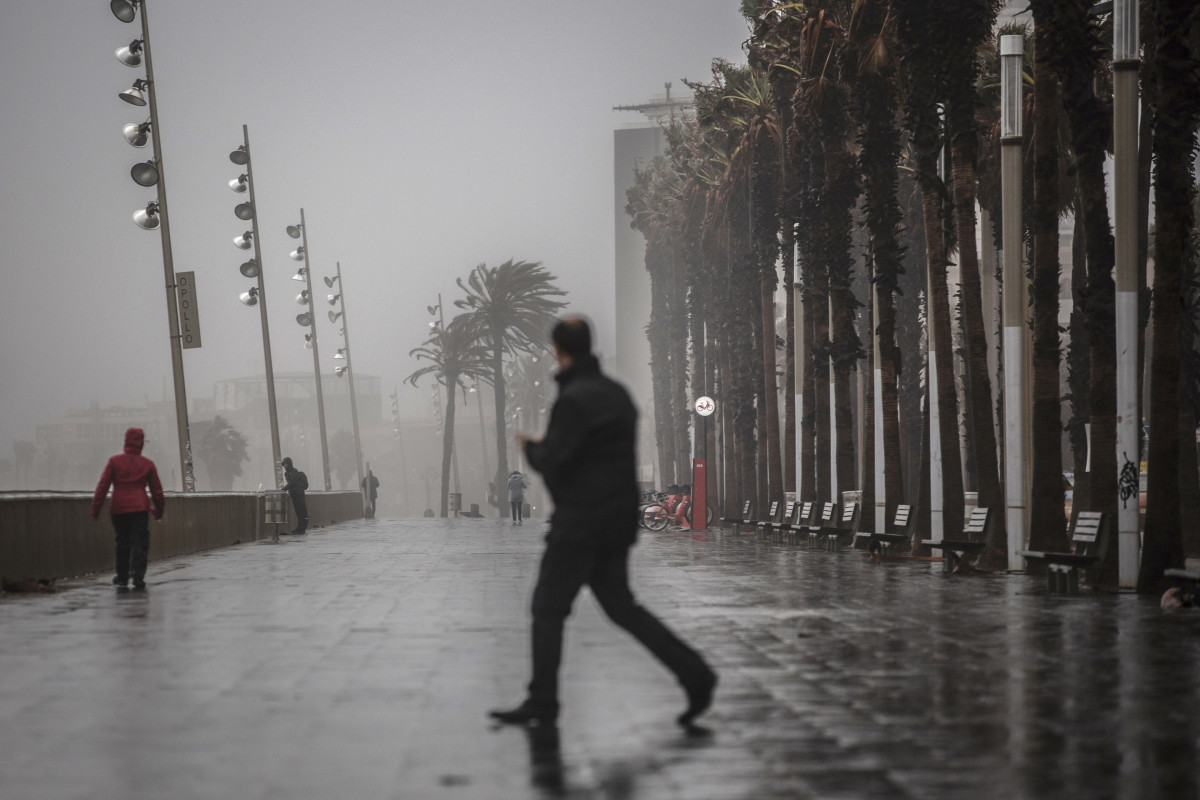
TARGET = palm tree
(510,309)
(1174,140)
(222,450)
(454,355)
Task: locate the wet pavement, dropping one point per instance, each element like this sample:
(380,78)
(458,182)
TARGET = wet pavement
(359,662)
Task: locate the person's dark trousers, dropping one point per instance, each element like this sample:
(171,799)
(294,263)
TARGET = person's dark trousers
(565,570)
(133,545)
(301,507)
(516,510)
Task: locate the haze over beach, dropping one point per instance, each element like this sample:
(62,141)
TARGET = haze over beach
(420,141)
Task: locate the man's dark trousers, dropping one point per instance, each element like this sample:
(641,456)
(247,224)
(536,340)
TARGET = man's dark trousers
(564,571)
(133,545)
(301,506)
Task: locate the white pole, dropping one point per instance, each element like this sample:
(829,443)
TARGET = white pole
(833,429)
(798,388)
(1012,50)
(1125,190)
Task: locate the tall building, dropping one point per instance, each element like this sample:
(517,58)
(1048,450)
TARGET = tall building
(634,146)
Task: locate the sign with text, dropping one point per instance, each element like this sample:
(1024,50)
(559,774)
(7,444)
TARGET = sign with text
(189,314)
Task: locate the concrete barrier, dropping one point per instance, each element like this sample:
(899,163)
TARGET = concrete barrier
(50,535)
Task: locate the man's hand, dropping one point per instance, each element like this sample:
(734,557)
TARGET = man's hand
(525,438)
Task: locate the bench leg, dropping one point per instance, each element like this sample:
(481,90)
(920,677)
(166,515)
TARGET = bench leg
(950,562)
(1070,580)
(831,542)
(812,540)
(1052,579)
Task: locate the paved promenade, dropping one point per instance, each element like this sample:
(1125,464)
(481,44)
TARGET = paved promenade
(359,662)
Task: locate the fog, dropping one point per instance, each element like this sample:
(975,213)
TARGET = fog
(421,139)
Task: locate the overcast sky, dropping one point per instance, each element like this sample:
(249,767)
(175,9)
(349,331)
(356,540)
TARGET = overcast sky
(420,138)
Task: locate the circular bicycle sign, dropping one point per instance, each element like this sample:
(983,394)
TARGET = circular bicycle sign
(705,406)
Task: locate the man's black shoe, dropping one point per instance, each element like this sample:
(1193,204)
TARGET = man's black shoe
(699,699)
(139,586)
(119,581)
(525,714)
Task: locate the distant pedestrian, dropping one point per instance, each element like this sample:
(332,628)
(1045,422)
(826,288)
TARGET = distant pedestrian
(130,474)
(370,485)
(587,459)
(295,484)
(516,494)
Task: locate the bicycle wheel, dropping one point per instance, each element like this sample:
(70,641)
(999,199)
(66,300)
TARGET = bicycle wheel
(708,516)
(655,518)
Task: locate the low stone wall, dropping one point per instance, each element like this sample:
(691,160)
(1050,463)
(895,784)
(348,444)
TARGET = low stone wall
(50,535)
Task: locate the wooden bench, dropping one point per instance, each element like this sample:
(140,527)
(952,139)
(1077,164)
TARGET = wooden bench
(1090,539)
(822,526)
(881,543)
(975,534)
(747,517)
(797,527)
(774,516)
(769,531)
(847,525)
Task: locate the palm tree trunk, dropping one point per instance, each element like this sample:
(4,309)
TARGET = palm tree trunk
(499,396)
(939,314)
(448,443)
(819,329)
(808,416)
(1049,530)
(1174,132)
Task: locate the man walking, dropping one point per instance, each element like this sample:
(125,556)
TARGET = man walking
(295,484)
(130,474)
(587,459)
(370,486)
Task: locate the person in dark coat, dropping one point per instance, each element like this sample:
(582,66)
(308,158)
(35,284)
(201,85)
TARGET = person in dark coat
(588,461)
(295,484)
(130,474)
(370,486)
(516,494)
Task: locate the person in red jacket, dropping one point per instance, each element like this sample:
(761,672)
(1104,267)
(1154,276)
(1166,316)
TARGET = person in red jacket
(130,474)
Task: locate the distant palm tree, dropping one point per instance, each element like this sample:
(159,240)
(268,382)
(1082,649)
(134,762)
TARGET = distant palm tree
(222,450)
(510,309)
(454,354)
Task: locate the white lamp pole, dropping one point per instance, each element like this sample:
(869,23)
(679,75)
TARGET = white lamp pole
(312,332)
(1012,55)
(1126,233)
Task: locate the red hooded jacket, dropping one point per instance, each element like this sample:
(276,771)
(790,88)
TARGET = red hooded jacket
(130,473)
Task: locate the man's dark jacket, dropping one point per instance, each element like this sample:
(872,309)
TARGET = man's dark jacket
(588,459)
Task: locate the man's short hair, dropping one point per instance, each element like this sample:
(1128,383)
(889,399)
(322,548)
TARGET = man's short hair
(572,336)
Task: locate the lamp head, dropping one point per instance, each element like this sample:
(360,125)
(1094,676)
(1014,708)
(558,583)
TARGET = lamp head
(301,275)
(293,231)
(131,54)
(307,340)
(250,269)
(239,184)
(341,353)
(244,211)
(340,371)
(135,95)
(147,218)
(329,281)
(333,315)
(249,298)
(240,156)
(137,135)
(124,10)
(333,298)
(302,298)
(145,174)
(305,320)
(244,241)
(297,254)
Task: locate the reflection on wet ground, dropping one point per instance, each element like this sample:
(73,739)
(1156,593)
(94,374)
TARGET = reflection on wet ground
(359,662)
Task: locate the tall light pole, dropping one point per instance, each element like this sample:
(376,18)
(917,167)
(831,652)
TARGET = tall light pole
(155,215)
(1012,54)
(249,212)
(349,368)
(1125,234)
(309,320)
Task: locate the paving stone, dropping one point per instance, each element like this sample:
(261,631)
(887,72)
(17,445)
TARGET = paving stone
(359,662)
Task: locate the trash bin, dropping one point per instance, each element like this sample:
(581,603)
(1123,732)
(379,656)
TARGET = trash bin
(275,505)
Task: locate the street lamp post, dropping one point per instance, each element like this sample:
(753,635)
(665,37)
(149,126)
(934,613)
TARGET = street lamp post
(155,216)
(1012,54)
(1125,234)
(309,319)
(349,368)
(248,211)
